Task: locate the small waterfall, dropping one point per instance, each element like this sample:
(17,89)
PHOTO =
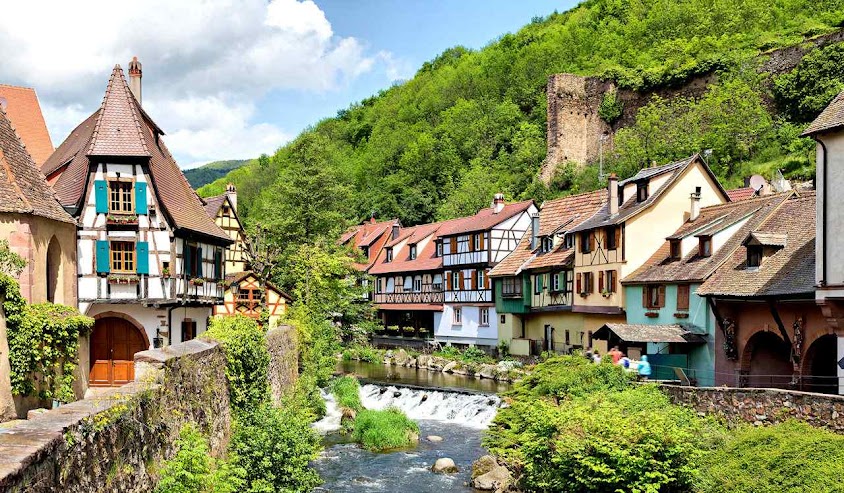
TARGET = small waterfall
(475,410)
(331,421)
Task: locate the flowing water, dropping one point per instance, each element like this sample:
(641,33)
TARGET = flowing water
(379,373)
(458,416)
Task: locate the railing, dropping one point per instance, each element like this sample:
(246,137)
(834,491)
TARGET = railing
(469,296)
(479,257)
(410,297)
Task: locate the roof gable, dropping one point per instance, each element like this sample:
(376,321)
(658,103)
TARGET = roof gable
(831,117)
(24,111)
(117,131)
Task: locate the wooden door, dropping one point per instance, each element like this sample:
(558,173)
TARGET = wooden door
(114,343)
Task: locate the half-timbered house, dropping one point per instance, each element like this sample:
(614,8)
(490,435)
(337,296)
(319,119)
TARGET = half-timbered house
(150,260)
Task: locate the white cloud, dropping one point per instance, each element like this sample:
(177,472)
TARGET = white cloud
(206,63)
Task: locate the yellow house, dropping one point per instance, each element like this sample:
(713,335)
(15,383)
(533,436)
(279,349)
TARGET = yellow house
(640,213)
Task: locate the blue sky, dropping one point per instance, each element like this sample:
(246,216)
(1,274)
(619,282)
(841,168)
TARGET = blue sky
(229,79)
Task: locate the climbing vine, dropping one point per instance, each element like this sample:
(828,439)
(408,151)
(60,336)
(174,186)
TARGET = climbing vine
(43,344)
(611,107)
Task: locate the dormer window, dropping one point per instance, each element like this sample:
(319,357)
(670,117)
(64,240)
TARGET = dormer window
(389,255)
(439,249)
(568,241)
(705,246)
(365,251)
(413,252)
(641,191)
(676,252)
(547,244)
(754,255)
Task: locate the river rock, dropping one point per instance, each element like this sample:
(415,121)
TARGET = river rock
(448,368)
(487,371)
(497,479)
(434,438)
(411,363)
(422,360)
(401,357)
(483,465)
(444,465)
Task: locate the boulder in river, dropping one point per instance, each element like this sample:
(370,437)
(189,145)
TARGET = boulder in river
(483,465)
(422,360)
(444,465)
(401,357)
(434,438)
(487,371)
(449,367)
(497,479)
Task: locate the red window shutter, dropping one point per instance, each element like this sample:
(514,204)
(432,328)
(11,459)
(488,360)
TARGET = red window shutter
(614,280)
(683,297)
(460,278)
(591,242)
(618,237)
(578,283)
(474,279)
(661,296)
(483,247)
(486,279)
(471,243)
(601,281)
(447,281)
(453,241)
(645,290)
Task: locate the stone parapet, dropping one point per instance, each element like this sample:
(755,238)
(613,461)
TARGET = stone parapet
(283,346)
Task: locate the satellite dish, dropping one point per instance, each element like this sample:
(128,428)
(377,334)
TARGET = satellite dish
(3,103)
(757,182)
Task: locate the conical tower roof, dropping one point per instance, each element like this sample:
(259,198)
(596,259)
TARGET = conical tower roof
(117,131)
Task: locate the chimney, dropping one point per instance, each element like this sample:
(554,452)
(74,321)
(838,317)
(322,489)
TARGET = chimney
(534,231)
(372,219)
(612,193)
(135,78)
(231,193)
(395,231)
(497,203)
(694,212)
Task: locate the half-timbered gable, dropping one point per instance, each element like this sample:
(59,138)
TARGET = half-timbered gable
(223,210)
(247,295)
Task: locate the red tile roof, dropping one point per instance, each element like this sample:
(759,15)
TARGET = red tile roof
(139,137)
(370,234)
(484,219)
(23,188)
(22,108)
(743,193)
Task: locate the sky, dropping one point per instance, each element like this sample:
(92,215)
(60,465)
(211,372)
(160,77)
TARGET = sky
(231,79)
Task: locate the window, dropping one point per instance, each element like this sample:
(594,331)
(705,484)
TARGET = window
(439,249)
(365,251)
(188,329)
(503,319)
(705,246)
(676,251)
(537,283)
(437,283)
(123,256)
(484,316)
(120,197)
(754,256)
(408,284)
(585,242)
(654,296)
(193,261)
(642,191)
(457,316)
(389,254)
(455,280)
(379,285)
(568,241)
(588,282)
(413,252)
(481,279)
(611,278)
(568,338)
(511,286)
(683,297)
(476,242)
(547,244)
(609,237)
(556,282)
(249,298)
(417,284)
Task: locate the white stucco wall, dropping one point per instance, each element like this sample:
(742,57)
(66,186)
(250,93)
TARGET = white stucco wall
(154,320)
(469,331)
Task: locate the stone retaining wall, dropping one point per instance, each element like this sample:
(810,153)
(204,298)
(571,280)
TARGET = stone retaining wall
(283,345)
(762,406)
(114,441)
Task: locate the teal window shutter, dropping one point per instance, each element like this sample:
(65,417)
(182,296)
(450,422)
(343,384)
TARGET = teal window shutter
(142,252)
(101,196)
(103,263)
(186,260)
(199,262)
(140,198)
(218,264)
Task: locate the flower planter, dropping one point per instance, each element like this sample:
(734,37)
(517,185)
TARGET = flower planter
(681,315)
(122,220)
(123,279)
(198,281)
(652,314)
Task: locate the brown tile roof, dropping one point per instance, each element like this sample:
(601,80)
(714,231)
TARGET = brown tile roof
(830,118)
(631,207)
(426,259)
(213,204)
(484,219)
(22,108)
(649,333)
(555,216)
(68,165)
(365,235)
(789,271)
(23,189)
(238,277)
(743,193)
(660,267)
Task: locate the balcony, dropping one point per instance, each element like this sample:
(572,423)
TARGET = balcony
(426,297)
(469,296)
(465,258)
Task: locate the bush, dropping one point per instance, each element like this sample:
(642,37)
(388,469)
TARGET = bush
(384,430)
(790,457)
(365,353)
(274,446)
(346,390)
(611,107)
(247,359)
(193,470)
(562,377)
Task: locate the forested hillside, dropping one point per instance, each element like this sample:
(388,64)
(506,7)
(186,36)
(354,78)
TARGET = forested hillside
(471,123)
(205,174)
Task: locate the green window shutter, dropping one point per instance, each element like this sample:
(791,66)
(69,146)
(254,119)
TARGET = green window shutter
(103,263)
(186,260)
(140,198)
(218,264)
(101,196)
(142,260)
(199,262)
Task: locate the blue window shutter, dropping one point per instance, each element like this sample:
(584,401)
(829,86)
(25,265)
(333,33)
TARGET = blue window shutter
(101,196)
(140,198)
(103,263)
(142,252)
(186,258)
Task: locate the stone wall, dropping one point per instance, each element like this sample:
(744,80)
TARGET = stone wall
(282,343)
(762,406)
(114,441)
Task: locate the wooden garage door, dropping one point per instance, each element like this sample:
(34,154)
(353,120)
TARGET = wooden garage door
(114,343)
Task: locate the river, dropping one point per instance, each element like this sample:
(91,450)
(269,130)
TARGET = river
(454,407)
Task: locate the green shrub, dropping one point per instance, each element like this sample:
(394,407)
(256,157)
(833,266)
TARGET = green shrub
(247,359)
(274,446)
(790,457)
(193,469)
(384,430)
(365,353)
(805,91)
(571,376)
(469,355)
(611,107)
(346,390)
(632,440)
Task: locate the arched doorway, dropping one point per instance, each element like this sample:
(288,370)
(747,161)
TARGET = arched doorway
(114,343)
(767,361)
(54,271)
(820,366)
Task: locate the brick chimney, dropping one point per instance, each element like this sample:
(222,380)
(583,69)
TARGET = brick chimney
(694,211)
(135,78)
(231,193)
(612,193)
(497,203)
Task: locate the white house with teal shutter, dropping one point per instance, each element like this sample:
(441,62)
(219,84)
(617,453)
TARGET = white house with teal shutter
(148,253)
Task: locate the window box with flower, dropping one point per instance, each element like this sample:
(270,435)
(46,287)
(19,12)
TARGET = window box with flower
(197,281)
(122,219)
(123,278)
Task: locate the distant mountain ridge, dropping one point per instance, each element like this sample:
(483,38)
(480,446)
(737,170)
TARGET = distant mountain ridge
(207,173)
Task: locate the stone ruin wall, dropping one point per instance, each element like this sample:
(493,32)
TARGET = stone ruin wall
(574,128)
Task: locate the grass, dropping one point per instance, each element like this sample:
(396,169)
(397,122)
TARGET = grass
(365,353)
(346,390)
(384,430)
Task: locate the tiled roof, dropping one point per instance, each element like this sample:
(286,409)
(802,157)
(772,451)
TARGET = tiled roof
(692,267)
(213,204)
(68,165)
(648,333)
(830,118)
(365,234)
(23,188)
(22,108)
(737,194)
(484,219)
(426,259)
(789,271)
(766,239)
(632,207)
(555,216)
(238,277)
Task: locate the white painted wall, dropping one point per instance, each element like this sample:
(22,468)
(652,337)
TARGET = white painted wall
(834,256)
(154,320)
(469,331)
